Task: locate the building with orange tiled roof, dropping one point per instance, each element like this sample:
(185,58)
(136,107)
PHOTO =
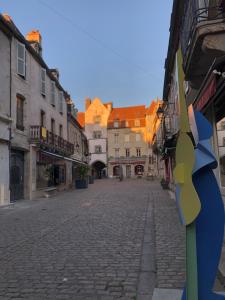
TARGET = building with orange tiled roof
(81,119)
(119,138)
(129,140)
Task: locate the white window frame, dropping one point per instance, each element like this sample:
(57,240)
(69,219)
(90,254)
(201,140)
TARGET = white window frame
(127,138)
(137,123)
(98,149)
(127,152)
(138,152)
(61,102)
(117,152)
(21,59)
(138,137)
(116,124)
(53,93)
(43,81)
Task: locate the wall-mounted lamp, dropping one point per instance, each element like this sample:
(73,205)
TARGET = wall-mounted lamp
(160,112)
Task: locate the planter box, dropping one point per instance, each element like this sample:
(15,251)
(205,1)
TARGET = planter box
(81,183)
(165,185)
(91,179)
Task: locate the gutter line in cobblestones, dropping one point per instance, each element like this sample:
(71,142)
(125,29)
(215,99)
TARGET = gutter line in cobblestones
(147,276)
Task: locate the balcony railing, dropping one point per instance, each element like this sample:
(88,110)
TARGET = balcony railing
(196,14)
(43,137)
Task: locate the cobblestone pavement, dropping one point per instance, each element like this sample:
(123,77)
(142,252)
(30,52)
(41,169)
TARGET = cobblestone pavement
(82,244)
(170,242)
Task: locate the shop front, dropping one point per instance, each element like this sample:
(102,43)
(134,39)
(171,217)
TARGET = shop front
(51,170)
(210,101)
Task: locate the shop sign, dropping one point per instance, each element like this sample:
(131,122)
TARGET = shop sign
(208,92)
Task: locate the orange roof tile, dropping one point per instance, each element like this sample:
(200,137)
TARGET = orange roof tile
(129,114)
(81,118)
(151,108)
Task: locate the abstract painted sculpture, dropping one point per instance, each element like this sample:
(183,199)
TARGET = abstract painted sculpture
(199,200)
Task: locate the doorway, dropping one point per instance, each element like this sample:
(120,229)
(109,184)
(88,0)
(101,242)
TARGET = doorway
(128,171)
(17,175)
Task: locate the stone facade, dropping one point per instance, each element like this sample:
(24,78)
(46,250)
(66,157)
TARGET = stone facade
(119,138)
(5,119)
(95,123)
(33,97)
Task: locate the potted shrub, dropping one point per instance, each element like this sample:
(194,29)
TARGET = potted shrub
(164,184)
(82,182)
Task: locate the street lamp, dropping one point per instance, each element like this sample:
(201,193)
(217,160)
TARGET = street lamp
(160,112)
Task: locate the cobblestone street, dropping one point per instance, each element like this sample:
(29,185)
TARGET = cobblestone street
(82,244)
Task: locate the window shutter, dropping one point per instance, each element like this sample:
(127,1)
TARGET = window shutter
(61,102)
(43,81)
(53,93)
(21,59)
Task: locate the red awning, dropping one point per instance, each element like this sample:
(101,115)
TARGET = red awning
(207,92)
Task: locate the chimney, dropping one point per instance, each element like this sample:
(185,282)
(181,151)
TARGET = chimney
(87,103)
(55,73)
(6,17)
(109,106)
(35,40)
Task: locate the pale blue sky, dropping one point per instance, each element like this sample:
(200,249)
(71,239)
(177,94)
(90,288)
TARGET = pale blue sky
(111,49)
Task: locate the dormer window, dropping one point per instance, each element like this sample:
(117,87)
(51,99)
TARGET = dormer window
(21,59)
(116,124)
(137,123)
(97,119)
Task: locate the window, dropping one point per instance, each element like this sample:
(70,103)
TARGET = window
(52,125)
(98,149)
(127,138)
(138,137)
(43,82)
(97,134)
(222,125)
(127,152)
(117,152)
(116,170)
(60,130)
(97,119)
(126,124)
(53,93)
(116,138)
(139,170)
(116,124)
(137,123)
(21,59)
(61,102)
(43,120)
(138,152)
(19,112)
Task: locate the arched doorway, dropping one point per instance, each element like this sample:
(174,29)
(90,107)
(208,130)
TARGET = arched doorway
(116,170)
(139,170)
(99,169)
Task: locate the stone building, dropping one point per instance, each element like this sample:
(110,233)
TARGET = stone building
(130,134)
(120,139)
(77,137)
(39,147)
(198,29)
(127,144)
(94,120)
(5,115)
